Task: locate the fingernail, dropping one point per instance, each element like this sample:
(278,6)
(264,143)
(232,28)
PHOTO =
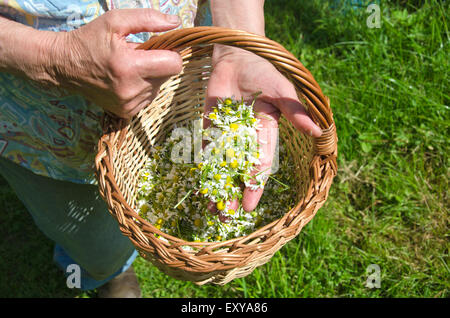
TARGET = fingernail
(174,19)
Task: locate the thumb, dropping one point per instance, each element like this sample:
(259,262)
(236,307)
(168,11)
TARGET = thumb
(156,63)
(131,21)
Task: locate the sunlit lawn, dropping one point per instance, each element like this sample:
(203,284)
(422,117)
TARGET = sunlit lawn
(388,206)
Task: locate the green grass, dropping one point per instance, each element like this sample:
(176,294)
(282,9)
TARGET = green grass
(388,205)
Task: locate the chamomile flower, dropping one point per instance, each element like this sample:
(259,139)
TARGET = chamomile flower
(176,198)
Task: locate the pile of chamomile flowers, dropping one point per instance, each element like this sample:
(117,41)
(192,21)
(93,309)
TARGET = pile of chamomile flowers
(191,200)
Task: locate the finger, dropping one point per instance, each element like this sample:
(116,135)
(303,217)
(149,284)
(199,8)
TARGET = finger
(267,139)
(156,63)
(289,104)
(132,108)
(219,86)
(212,208)
(296,114)
(233,205)
(131,21)
(133,45)
(223,217)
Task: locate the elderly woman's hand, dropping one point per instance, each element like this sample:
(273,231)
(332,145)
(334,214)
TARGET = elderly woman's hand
(241,74)
(95,60)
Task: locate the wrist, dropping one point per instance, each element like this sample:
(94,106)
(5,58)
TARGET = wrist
(237,14)
(47,57)
(226,53)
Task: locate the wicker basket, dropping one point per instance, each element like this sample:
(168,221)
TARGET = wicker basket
(125,145)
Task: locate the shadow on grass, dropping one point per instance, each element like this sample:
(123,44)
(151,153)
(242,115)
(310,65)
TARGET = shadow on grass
(318,22)
(26,263)
(323,23)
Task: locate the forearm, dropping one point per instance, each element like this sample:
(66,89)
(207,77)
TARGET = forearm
(25,51)
(245,15)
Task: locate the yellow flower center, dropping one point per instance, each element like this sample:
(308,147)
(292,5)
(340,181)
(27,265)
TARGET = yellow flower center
(204,191)
(220,206)
(217,177)
(234,126)
(230,153)
(234,164)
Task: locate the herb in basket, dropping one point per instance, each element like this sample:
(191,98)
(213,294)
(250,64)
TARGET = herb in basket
(192,201)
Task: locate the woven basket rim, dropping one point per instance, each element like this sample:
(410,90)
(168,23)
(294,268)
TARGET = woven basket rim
(323,166)
(144,222)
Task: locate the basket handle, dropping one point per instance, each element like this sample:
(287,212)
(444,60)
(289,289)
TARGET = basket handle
(318,104)
(282,59)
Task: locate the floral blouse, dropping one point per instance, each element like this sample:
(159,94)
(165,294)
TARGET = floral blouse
(52,134)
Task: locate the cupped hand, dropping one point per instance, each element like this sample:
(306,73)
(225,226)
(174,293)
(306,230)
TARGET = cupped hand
(241,74)
(97,61)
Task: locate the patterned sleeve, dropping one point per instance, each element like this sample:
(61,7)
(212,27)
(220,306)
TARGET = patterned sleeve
(53,134)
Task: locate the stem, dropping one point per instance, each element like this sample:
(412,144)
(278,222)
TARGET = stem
(184,198)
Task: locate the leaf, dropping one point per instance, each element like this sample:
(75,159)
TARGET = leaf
(366,147)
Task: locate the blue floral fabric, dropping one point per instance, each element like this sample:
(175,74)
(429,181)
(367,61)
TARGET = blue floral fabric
(51,133)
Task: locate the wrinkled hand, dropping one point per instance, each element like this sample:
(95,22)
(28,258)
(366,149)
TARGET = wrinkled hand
(241,74)
(97,61)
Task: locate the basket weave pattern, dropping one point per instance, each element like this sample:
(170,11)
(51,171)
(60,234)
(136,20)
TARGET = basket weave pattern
(124,149)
